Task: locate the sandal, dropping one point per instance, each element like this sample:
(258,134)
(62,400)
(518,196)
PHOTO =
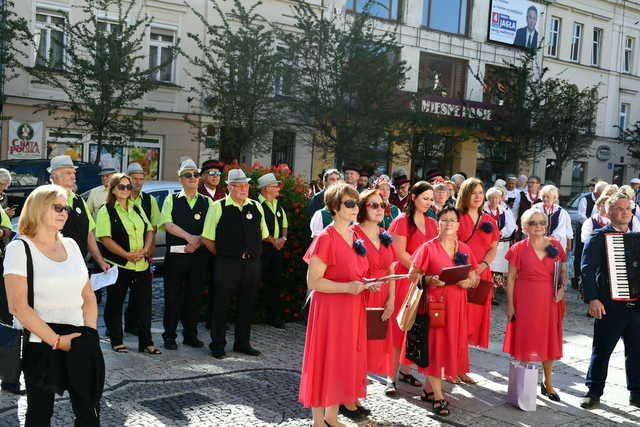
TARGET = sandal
(149,350)
(454,380)
(427,396)
(441,407)
(391,389)
(120,348)
(467,379)
(409,379)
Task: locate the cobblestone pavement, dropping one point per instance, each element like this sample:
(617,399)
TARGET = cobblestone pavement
(188,387)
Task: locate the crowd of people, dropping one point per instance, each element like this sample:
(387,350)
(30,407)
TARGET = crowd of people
(514,235)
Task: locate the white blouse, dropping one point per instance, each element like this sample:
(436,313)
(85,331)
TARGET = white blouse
(57,286)
(509,219)
(563,231)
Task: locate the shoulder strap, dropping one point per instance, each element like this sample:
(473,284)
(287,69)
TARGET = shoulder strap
(475,227)
(137,210)
(27,252)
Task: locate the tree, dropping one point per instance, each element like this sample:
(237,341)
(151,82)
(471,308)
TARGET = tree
(347,75)
(239,66)
(14,37)
(631,138)
(565,121)
(101,73)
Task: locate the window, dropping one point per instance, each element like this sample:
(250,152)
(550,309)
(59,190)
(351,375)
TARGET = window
(445,15)
(554,37)
(576,42)
(597,46)
(50,40)
(161,54)
(284,77)
(618,175)
(283,148)
(549,171)
(385,9)
(627,66)
(624,114)
(578,174)
(442,75)
(497,80)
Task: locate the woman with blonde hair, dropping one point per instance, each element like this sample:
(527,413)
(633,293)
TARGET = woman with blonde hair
(63,351)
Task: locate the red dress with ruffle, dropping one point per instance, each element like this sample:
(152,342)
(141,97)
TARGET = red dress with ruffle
(415,239)
(536,333)
(379,352)
(479,239)
(334,364)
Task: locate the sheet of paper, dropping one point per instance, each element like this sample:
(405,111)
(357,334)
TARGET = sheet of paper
(384,279)
(179,249)
(100,280)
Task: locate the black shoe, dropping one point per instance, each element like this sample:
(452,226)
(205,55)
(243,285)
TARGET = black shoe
(551,396)
(352,415)
(364,411)
(131,330)
(170,344)
(278,324)
(193,342)
(13,388)
(494,302)
(247,350)
(634,401)
(589,401)
(217,352)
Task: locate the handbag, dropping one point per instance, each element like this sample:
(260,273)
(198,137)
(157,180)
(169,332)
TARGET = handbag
(523,385)
(480,293)
(407,314)
(436,311)
(417,342)
(14,341)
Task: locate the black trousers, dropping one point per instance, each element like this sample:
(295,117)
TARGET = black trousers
(234,277)
(209,277)
(183,293)
(272,263)
(129,279)
(619,322)
(40,402)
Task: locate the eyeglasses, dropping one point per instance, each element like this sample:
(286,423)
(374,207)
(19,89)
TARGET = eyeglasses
(451,221)
(537,223)
(124,187)
(213,173)
(61,208)
(350,203)
(189,175)
(374,205)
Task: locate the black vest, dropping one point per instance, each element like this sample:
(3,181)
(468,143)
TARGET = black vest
(590,204)
(525,204)
(238,232)
(190,220)
(146,204)
(118,235)
(271,219)
(77,225)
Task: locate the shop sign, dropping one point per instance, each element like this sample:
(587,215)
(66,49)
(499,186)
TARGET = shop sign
(25,140)
(457,109)
(603,153)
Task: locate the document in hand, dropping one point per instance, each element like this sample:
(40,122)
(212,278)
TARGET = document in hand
(452,275)
(101,280)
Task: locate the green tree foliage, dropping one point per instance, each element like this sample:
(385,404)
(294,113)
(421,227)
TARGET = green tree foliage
(104,72)
(631,138)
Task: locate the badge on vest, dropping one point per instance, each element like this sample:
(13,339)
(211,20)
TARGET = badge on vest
(249,216)
(278,214)
(78,210)
(197,216)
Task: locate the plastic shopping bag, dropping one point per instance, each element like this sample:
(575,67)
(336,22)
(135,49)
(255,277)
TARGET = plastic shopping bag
(523,385)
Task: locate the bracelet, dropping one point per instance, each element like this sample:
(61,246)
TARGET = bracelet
(56,344)
(484,262)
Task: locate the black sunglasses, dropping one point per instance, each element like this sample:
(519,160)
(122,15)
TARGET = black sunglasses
(189,175)
(350,203)
(124,187)
(61,208)
(374,205)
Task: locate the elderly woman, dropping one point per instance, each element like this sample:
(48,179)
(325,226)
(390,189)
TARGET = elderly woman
(334,364)
(595,222)
(448,346)
(409,231)
(5,182)
(63,343)
(383,185)
(502,215)
(127,237)
(441,196)
(534,329)
(558,219)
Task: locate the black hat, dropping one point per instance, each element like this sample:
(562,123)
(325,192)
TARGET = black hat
(211,164)
(399,176)
(364,172)
(351,168)
(432,174)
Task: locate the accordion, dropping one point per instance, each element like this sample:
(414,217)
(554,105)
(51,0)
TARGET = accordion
(623,259)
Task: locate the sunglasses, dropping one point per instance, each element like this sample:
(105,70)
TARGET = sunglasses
(190,175)
(124,187)
(350,204)
(536,223)
(61,208)
(213,173)
(374,205)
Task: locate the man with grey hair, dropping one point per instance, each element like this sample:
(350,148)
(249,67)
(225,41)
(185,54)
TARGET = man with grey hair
(457,179)
(98,195)
(613,319)
(330,177)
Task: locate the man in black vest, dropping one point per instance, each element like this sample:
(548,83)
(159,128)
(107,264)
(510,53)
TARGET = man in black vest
(183,216)
(525,200)
(586,208)
(613,319)
(276,220)
(233,231)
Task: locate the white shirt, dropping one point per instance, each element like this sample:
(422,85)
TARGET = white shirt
(97,198)
(587,227)
(57,286)
(210,191)
(316,225)
(509,219)
(582,207)
(563,231)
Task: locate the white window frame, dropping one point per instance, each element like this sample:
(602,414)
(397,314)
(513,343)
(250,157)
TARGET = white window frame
(576,42)
(623,118)
(628,54)
(554,36)
(48,26)
(159,44)
(596,46)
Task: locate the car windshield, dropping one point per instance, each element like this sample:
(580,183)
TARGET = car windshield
(27,174)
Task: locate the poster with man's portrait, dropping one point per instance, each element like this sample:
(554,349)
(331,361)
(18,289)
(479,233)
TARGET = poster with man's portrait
(516,22)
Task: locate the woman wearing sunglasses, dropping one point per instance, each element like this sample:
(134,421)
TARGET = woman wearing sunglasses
(334,365)
(126,237)
(534,328)
(409,231)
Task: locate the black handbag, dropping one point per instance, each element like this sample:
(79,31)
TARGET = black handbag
(417,344)
(14,341)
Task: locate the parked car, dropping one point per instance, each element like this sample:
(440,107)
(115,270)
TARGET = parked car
(572,209)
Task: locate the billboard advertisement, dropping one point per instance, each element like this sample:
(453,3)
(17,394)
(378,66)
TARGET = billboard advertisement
(516,22)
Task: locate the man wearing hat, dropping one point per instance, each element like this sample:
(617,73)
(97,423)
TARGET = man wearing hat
(233,231)
(211,172)
(351,175)
(276,220)
(635,185)
(329,177)
(401,183)
(183,216)
(80,224)
(98,195)
(363,180)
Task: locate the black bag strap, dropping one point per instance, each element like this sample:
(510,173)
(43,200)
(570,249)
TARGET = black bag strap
(27,252)
(475,227)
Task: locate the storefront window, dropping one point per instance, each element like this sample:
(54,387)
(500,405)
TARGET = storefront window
(493,161)
(110,156)
(578,177)
(148,155)
(445,15)
(442,75)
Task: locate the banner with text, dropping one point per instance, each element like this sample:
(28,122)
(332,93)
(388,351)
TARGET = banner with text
(25,140)
(516,22)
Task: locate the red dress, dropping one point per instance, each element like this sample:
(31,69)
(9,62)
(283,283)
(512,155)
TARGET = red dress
(536,333)
(334,367)
(479,239)
(415,239)
(379,352)
(448,346)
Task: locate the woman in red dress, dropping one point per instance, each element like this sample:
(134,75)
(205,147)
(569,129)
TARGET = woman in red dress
(381,256)
(480,231)
(409,231)
(534,328)
(448,346)
(334,362)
